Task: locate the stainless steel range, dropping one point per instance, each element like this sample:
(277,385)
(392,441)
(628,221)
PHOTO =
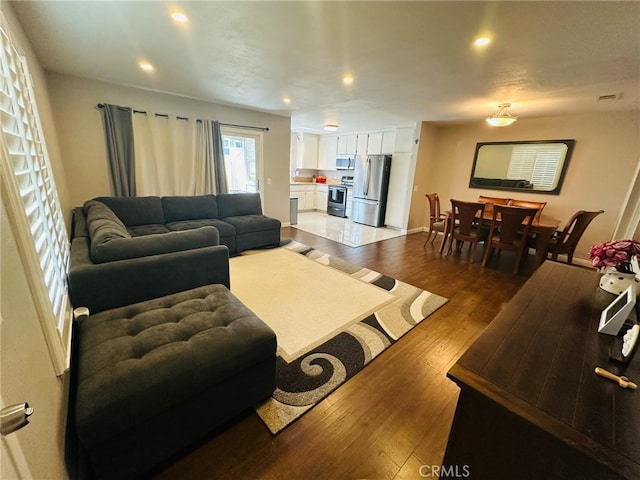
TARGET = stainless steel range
(337,198)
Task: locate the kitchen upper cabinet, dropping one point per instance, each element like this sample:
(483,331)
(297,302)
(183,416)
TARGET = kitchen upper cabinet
(381,142)
(327,151)
(347,144)
(388,142)
(361,145)
(404,140)
(374,146)
(304,150)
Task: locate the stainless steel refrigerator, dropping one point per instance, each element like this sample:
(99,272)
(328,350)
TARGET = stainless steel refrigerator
(370,188)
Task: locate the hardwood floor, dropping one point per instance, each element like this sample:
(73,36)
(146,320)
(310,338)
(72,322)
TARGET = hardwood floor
(392,420)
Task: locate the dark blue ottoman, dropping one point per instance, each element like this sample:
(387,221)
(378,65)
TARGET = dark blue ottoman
(157,376)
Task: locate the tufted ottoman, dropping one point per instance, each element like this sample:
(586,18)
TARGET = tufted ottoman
(157,376)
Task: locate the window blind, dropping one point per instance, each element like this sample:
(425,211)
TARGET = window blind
(33,205)
(539,164)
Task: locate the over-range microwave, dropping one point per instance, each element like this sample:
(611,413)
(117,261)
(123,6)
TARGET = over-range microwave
(346,163)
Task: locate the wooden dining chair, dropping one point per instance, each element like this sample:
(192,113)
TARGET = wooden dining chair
(491,201)
(565,242)
(529,204)
(509,230)
(467,226)
(437,220)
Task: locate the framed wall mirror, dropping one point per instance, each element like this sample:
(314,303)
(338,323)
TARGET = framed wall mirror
(536,166)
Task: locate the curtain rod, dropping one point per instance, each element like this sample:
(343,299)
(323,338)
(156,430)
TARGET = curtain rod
(164,115)
(264,129)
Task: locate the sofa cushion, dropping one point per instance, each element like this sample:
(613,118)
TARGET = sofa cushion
(139,230)
(253,223)
(135,210)
(140,361)
(237,204)
(103,224)
(143,246)
(189,208)
(224,229)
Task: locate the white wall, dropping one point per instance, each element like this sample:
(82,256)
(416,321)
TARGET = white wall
(82,143)
(600,171)
(25,366)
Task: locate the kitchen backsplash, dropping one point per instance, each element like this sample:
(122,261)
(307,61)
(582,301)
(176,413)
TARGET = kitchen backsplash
(333,176)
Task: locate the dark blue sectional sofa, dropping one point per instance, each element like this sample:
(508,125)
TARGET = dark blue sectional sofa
(167,353)
(129,249)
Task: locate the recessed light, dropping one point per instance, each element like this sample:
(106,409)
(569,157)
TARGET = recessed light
(330,127)
(179,17)
(347,79)
(146,66)
(286,100)
(482,41)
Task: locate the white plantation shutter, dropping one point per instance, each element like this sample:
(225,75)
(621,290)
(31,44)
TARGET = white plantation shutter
(541,164)
(32,201)
(548,166)
(522,161)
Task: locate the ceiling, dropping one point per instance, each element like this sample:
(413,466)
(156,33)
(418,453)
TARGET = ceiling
(411,61)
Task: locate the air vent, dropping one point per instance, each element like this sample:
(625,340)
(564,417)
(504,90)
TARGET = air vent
(611,96)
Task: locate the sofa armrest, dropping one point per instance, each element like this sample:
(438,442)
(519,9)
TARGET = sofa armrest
(123,282)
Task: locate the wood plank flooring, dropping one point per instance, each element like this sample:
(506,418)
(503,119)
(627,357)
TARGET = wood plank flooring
(393,418)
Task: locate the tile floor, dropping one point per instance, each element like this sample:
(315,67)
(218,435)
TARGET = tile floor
(343,230)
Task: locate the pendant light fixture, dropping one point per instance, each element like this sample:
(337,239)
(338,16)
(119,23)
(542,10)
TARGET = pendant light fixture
(502,117)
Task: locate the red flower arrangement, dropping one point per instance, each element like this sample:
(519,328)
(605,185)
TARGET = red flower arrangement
(616,254)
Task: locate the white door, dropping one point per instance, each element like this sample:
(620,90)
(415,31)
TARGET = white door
(243,159)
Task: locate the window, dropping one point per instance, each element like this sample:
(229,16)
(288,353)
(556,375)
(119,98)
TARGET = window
(32,203)
(241,160)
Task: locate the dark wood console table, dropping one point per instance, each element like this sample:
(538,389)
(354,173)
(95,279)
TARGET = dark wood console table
(531,406)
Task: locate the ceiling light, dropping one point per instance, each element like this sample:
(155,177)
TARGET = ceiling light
(179,17)
(146,66)
(502,117)
(482,41)
(330,127)
(286,100)
(347,79)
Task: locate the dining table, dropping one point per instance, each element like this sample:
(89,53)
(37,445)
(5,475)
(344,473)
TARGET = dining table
(541,231)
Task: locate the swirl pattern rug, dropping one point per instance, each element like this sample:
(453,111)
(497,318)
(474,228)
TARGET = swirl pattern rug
(307,374)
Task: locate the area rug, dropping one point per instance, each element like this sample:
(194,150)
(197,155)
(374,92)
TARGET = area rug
(331,318)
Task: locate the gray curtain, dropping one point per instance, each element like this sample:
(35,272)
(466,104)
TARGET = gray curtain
(118,134)
(218,160)
(206,181)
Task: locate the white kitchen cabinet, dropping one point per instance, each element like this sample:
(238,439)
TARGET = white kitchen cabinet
(388,143)
(322,194)
(347,144)
(404,140)
(327,151)
(362,142)
(304,151)
(374,146)
(399,198)
(381,142)
(306,195)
